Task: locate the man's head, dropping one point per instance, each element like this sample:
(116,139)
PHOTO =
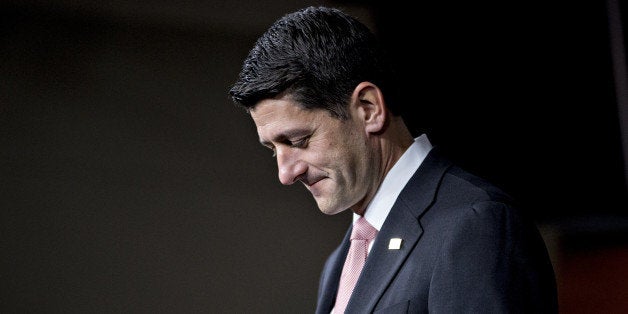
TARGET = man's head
(317,55)
(313,85)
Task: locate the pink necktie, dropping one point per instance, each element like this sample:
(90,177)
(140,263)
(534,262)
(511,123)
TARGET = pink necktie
(361,235)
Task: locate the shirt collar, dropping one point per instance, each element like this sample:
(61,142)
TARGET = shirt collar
(394,181)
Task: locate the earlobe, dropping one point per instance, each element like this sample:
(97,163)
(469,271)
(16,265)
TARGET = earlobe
(370,104)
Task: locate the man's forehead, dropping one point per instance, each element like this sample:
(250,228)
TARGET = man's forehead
(283,125)
(285,111)
(277,122)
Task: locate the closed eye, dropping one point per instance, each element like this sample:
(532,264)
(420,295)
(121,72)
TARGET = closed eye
(301,142)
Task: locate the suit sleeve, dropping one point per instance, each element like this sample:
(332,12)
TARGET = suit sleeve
(492,261)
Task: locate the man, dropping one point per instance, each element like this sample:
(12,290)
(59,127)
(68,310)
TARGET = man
(433,237)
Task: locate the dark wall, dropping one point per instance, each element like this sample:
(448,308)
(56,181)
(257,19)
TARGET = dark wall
(131,184)
(522,93)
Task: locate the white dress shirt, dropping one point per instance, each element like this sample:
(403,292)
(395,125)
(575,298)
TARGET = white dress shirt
(396,179)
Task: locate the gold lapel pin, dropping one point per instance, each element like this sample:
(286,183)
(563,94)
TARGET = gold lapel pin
(394,244)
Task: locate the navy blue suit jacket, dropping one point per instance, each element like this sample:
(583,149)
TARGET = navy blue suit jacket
(466,249)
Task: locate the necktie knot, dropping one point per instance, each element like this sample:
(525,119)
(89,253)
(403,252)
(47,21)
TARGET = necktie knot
(362,230)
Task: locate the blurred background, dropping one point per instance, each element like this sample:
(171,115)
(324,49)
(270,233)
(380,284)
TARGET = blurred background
(130,183)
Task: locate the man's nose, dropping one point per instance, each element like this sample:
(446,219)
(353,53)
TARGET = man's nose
(289,166)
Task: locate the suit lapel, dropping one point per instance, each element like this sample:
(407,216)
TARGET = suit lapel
(382,263)
(402,222)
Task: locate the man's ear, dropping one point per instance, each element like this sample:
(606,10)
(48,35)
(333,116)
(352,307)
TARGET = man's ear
(368,102)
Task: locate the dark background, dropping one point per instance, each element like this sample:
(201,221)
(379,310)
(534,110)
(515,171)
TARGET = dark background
(130,183)
(523,93)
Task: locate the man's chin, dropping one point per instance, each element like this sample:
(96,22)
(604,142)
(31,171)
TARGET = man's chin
(330,211)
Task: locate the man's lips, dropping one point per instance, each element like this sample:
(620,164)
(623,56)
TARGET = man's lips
(311,184)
